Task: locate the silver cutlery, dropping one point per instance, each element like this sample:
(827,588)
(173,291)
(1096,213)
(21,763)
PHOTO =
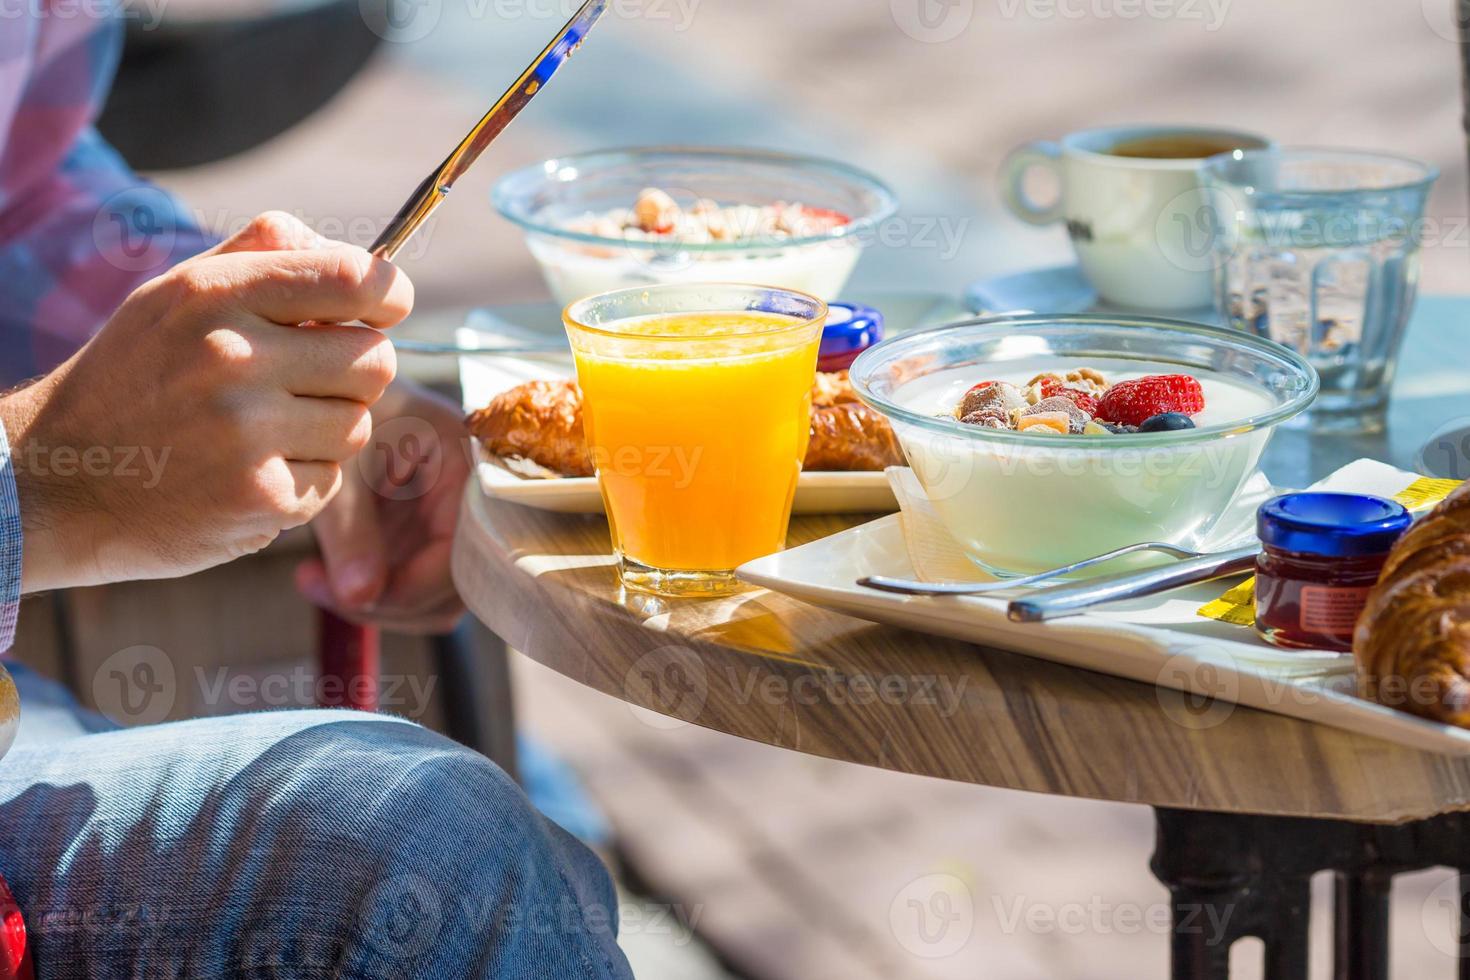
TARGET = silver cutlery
(904,586)
(431,193)
(1068,600)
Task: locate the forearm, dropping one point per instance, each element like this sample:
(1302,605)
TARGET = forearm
(51,511)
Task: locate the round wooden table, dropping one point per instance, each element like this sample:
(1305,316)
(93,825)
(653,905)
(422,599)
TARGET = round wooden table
(766,667)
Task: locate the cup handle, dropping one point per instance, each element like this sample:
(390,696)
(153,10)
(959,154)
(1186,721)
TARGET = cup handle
(1040,153)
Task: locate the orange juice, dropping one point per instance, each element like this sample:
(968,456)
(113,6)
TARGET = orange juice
(698,423)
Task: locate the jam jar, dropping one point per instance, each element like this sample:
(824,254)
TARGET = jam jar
(1323,553)
(851,329)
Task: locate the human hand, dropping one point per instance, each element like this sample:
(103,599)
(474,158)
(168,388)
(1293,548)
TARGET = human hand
(386,538)
(203,420)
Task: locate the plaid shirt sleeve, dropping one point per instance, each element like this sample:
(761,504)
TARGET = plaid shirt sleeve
(78,230)
(10,547)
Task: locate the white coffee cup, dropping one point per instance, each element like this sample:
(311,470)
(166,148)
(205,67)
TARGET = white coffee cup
(1135,221)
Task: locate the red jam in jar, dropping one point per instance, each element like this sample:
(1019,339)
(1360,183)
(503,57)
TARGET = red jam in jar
(1322,554)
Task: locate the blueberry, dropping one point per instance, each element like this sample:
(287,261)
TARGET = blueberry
(1120,430)
(1167,422)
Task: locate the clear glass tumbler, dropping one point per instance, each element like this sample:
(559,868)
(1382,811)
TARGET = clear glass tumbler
(1318,250)
(697,408)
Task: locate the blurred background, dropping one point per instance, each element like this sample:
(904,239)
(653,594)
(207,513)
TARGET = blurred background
(788,867)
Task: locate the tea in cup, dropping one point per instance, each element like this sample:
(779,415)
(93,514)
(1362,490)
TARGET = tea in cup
(1131,198)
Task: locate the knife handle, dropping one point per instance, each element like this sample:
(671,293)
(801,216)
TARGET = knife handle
(1069,600)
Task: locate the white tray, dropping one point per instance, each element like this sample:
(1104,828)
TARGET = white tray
(1159,640)
(483,377)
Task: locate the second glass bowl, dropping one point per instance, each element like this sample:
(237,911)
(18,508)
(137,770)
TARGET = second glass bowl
(544,200)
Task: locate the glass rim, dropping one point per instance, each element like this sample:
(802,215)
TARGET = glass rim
(1285,356)
(511,209)
(804,323)
(1429,173)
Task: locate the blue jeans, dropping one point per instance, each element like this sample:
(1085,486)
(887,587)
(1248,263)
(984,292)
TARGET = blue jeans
(295,844)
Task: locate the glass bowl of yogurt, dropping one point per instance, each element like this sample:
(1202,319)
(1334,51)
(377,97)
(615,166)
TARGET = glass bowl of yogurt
(606,221)
(1025,500)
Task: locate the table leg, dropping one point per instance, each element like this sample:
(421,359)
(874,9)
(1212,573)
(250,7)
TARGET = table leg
(1253,875)
(1360,926)
(1464,951)
(1288,933)
(1196,954)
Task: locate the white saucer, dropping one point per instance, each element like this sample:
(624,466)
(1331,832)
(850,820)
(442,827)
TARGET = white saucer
(1059,289)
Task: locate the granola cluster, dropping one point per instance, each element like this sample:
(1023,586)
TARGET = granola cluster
(657,216)
(1082,402)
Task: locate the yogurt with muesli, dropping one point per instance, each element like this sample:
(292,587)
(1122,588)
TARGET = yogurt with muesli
(1017,504)
(657,241)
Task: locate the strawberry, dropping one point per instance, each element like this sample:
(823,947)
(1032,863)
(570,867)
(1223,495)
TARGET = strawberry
(980,387)
(1135,402)
(824,219)
(1054,388)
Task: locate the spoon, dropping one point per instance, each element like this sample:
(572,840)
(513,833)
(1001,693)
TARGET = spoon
(904,586)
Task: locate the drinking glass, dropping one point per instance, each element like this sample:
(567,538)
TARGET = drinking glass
(697,408)
(1318,250)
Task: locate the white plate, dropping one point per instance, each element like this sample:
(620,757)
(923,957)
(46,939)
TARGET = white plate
(483,377)
(1159,640)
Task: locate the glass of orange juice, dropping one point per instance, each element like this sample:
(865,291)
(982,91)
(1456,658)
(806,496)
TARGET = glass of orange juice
(697,408)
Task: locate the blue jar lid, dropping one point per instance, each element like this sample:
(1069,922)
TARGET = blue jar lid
(1334,525)
(851,329)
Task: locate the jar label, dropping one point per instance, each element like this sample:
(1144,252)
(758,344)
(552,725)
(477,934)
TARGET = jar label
(1325,609)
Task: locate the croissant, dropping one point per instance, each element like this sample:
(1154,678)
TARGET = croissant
(541,421)
(851,437)
(1412,641)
